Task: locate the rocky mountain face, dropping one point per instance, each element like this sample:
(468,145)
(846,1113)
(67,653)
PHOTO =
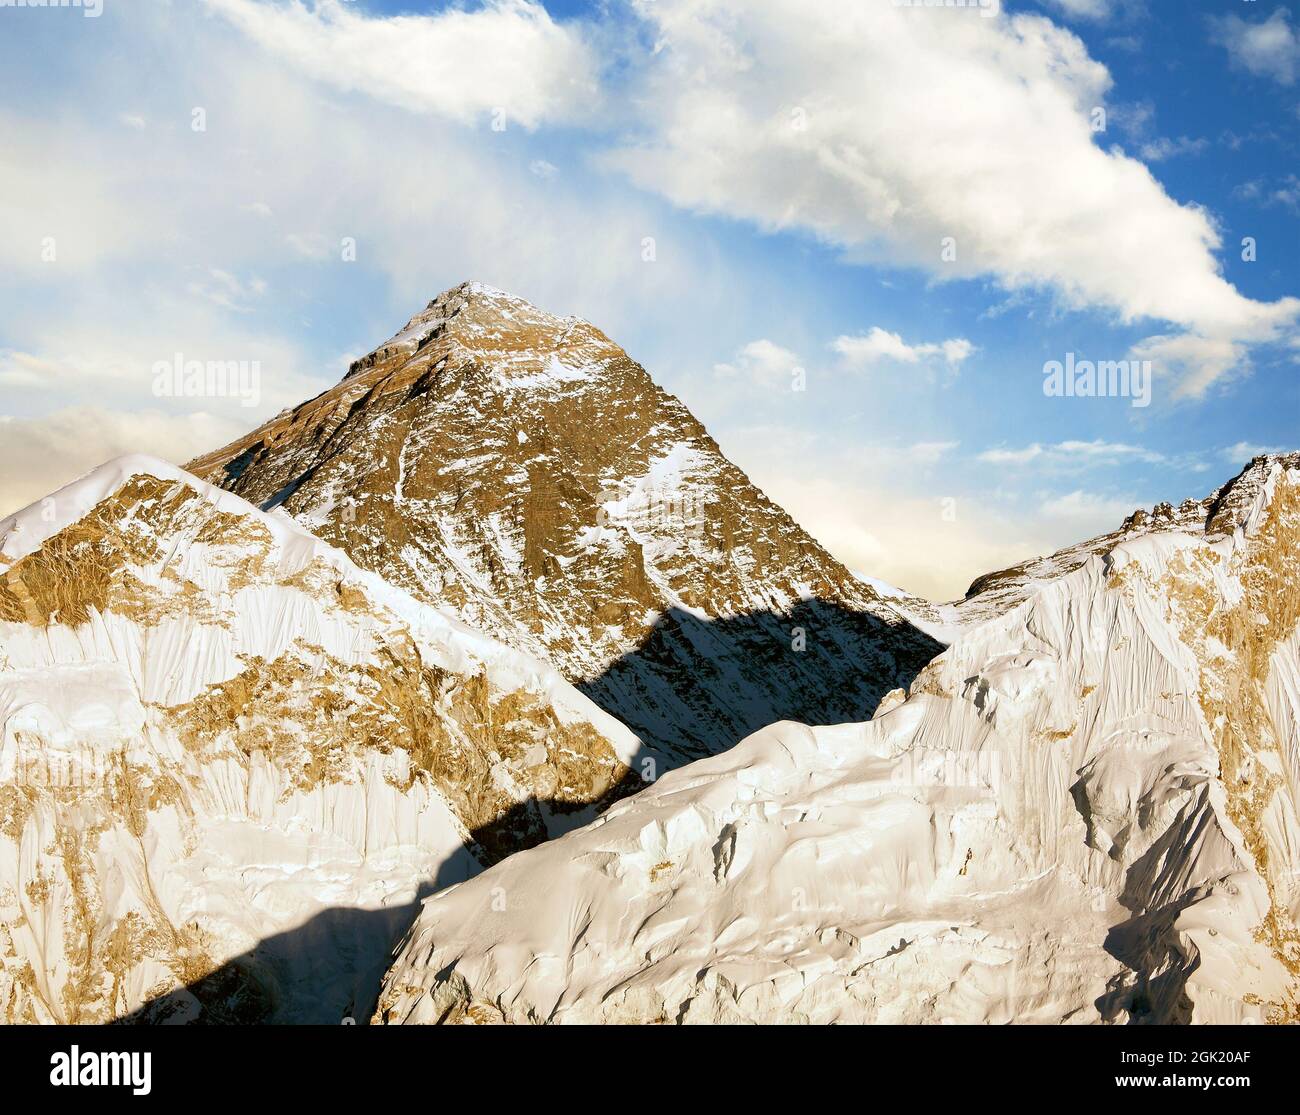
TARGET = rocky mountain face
(522,471)
(231,761)
(1084,810)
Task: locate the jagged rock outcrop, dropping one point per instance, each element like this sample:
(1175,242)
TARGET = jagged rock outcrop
(521,470)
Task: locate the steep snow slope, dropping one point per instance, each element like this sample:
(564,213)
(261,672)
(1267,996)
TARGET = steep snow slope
(216,731)
(521,470)
(1085,810)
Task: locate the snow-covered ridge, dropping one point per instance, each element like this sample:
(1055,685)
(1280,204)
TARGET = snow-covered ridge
(1085,810)
(1216,515)
(27,530)
(230,759)
(462,647)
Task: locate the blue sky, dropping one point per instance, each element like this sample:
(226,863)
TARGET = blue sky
(797,172)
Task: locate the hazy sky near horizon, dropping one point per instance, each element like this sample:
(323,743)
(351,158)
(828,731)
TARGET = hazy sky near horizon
(909,211)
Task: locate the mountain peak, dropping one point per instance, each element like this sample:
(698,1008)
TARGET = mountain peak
(478,316)
(1228,505)
(521,470)
(472,298)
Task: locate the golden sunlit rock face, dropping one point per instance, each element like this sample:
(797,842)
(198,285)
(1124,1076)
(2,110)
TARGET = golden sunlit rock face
(523,471)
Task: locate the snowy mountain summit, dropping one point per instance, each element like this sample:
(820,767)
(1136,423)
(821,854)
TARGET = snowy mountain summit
(523,471)
(1084,810)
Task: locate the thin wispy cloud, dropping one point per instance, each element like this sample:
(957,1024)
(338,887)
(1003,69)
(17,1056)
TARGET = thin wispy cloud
(879,346)
(1243,452)
(761,360)
(1099,511)
(1157,150)
(1074,454)
(1267,48)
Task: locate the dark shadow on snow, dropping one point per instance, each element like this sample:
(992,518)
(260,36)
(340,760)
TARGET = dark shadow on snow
(695,687)
(327,970)
(1154,989)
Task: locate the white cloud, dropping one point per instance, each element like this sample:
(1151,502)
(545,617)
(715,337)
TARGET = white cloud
(889,131)
(1135,119)
(1073,454)
(879,346)
(310,245)
(1268,48)
(509,55)
(762,360)
(1128,43)
(1244,452)
(1287,193)
(228,291)
(929,452)
(1157,150)
(1004,456)
(1108,452)
(1195,361)
(886,460)
(1249,191)
(1093,513)
(1284,191)
(1096,10)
